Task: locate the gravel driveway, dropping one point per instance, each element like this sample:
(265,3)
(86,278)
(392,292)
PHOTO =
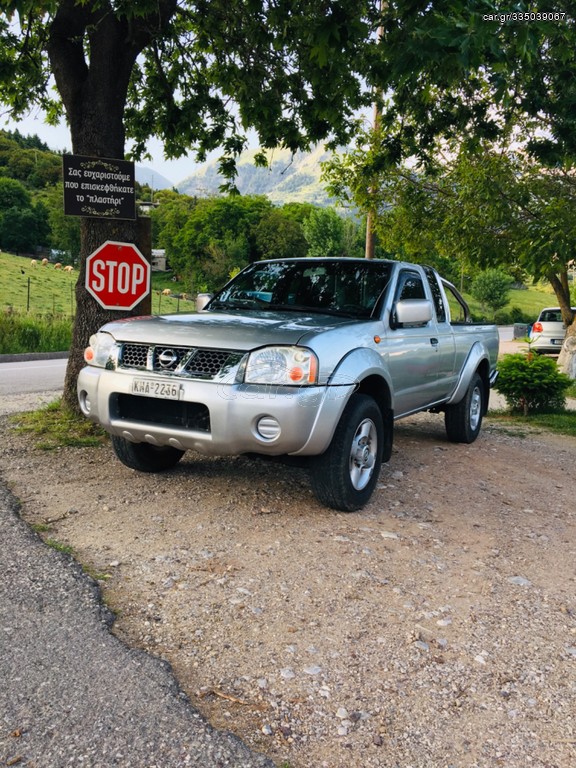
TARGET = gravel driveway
(437,627)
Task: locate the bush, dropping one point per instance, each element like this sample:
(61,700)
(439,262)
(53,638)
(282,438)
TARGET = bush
(34,333)
(512,316)
(532,383)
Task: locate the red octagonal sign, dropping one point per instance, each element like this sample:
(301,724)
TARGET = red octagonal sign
(117,275)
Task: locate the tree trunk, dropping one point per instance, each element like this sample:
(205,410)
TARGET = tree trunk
(94,94)
(567,356)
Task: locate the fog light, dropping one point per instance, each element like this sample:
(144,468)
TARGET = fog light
(84,401)
(268,428)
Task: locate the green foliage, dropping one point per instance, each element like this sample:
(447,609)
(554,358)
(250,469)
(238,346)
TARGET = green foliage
(64,230)
(215,236)
(21,333)
(492,288)
(23,225)
(13,194)
(489,208)
(324,233)
(28,160)
(532,383)
(277,236)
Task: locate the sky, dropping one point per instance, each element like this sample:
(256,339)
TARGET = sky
(58,139)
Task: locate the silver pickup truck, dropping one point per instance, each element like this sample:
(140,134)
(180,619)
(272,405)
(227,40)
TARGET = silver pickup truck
(312,359)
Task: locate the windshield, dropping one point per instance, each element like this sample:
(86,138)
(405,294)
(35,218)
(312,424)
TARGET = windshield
(347,287)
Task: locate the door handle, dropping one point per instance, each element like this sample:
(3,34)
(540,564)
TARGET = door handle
(434,342)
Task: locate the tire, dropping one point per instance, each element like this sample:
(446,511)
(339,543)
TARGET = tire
(145,457)
(463,420)
(344,476)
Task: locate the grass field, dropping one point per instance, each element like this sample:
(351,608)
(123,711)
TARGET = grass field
(47,291)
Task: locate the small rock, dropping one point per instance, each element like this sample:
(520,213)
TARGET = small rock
(287,673)
(520,581)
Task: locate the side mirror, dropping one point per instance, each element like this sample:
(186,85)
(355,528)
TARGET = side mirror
(201,300)
(412,312)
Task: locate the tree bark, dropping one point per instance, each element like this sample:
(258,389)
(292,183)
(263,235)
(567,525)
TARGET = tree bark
(94,93)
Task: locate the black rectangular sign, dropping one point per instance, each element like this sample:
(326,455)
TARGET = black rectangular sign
(98,186)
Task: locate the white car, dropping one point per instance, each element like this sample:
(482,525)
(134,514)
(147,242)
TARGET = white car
(548,332)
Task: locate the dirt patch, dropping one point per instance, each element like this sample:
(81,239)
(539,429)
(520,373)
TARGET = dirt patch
(437,627)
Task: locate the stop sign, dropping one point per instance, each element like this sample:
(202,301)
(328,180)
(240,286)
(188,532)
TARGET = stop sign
(117,275)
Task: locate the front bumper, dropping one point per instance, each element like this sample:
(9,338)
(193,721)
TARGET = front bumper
(215,418)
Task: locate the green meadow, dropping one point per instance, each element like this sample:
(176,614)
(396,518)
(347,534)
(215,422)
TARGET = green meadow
(37,304)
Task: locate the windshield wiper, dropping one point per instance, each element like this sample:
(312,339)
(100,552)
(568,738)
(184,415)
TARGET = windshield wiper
(252,303)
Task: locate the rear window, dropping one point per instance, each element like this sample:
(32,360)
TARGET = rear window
(550,316)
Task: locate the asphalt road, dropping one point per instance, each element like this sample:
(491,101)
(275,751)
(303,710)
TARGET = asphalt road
(25,376)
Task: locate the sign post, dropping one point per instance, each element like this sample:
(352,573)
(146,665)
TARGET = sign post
(98,187)
(117,275)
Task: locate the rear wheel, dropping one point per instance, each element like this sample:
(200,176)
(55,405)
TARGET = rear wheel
(145,457)
(464,419)
(344,476)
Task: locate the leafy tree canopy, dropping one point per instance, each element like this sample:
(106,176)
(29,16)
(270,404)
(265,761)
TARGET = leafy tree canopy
(199,74)
(196,74)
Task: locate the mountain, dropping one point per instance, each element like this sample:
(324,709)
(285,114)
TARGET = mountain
(152,178)
(289,178)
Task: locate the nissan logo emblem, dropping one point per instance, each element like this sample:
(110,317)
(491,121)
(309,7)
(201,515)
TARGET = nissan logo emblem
(167,358)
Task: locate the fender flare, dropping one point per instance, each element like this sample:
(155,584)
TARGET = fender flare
(476,357)
(360,364)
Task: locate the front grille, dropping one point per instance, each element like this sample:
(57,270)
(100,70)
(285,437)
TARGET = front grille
(207,363)
(152,410)
(133,356)
(193,362)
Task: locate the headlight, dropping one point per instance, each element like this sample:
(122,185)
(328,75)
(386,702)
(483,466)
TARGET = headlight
(282,365)
(101,350)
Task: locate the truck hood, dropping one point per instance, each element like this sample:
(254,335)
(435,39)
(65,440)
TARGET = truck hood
(225,330)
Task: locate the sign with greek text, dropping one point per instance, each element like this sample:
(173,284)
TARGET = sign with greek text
(99,187)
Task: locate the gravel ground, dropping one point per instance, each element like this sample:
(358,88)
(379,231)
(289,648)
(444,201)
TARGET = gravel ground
(74,695)
(435,628)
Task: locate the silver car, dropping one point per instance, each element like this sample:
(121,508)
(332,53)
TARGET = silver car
(548,332)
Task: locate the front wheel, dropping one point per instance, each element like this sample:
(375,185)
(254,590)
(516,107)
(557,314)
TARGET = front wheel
(145,457)
(345,475)
(464,419)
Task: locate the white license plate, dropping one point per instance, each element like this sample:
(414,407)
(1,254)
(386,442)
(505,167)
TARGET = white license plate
(557,341)
(167,390)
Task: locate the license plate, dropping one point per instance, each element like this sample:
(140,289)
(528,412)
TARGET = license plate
(557,341)
(167,390)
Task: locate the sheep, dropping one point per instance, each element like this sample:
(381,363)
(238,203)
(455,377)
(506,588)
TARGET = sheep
(68,268)
(57,265)
(44,262)
(33,263)
(166,292)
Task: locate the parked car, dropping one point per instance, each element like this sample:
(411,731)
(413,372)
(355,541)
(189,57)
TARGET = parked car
(548,332)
